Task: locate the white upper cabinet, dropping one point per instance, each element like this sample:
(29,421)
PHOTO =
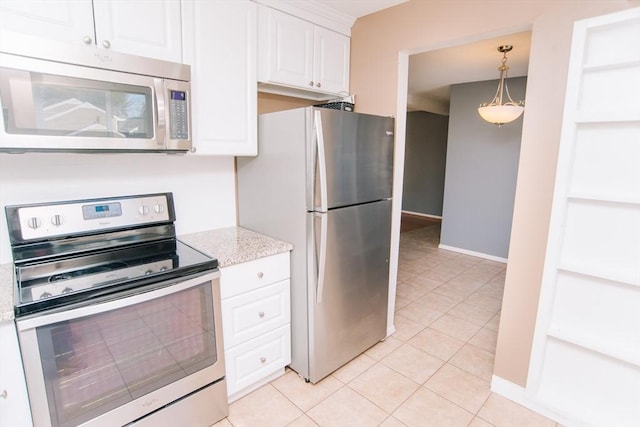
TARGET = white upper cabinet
(299,58)
(140,27)
(62,20)
(286,49)
(149,28)
(331,61)
(220,45)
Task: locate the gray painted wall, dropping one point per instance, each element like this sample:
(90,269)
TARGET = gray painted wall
(481,171)
(424,164)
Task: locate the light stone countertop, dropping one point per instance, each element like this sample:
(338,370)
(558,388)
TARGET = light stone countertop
(230,246)
(234,245)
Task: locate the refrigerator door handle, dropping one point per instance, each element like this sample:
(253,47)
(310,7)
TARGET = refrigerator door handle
(322,257)
(322,161)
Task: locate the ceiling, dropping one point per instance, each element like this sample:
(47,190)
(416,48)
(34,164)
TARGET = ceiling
(432,73)
(357,8)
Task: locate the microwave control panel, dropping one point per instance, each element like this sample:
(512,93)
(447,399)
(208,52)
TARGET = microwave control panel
(178,115)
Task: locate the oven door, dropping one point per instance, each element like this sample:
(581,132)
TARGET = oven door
(115,361)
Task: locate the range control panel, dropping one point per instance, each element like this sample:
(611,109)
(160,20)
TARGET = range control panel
(43,221)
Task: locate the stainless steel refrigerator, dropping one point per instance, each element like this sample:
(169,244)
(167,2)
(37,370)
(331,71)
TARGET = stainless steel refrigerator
(322,180)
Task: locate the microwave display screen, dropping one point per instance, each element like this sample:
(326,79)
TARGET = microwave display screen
(178,95)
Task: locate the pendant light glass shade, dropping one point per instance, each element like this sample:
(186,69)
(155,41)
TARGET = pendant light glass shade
(500,114)
(496,111)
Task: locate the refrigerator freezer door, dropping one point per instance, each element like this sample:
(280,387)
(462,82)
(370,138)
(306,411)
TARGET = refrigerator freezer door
(348,297)
(352,159)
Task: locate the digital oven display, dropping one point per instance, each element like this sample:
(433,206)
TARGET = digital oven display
(101,211)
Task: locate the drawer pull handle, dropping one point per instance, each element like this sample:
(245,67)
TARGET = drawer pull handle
(263,359)
(260,274)
(261,314)
(4,394)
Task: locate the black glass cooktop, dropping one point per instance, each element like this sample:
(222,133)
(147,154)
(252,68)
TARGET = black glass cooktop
(57,282)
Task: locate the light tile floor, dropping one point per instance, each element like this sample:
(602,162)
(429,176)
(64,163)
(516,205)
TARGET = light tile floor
(435,370)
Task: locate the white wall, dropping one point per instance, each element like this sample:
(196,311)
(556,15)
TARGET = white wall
(203,187)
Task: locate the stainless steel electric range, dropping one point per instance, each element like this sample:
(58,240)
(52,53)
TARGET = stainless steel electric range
(118,321)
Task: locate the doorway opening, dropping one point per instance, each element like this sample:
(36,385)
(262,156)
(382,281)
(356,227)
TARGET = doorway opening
(458,168)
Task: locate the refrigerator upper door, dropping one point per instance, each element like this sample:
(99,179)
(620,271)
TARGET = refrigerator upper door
(352,159)
(348,284)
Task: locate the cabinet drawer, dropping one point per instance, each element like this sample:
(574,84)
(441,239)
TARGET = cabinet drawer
(251,275)
(249,362)
(251,314)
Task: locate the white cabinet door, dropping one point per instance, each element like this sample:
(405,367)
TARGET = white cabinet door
(250,363)
(287,56)
(140,27)
(149,28)
(255,313)
(331,61)
(248,276)
(63,20)
(14,403)
(298,58)
(220,45)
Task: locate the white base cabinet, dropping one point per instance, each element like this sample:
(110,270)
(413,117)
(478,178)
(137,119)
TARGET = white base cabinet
(256,318)
(14,402)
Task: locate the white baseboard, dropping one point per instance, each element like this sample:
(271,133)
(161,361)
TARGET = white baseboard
(472,253)
(524,397)
(422,214)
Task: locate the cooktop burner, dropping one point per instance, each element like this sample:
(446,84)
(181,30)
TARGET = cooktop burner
(67,275)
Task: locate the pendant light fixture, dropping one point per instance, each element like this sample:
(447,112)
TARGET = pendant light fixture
(495,111)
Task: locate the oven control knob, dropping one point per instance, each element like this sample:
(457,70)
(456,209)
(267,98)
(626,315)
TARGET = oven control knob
(67,290)
(158,208)
(56,220)
(143,210)
(34,222)
(45,295)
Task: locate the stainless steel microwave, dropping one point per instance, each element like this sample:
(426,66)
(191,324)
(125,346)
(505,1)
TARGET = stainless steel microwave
(59,98)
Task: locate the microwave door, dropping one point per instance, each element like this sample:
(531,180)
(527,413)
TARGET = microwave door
(60,110)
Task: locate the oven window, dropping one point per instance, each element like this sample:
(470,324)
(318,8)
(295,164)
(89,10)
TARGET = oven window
(97,363)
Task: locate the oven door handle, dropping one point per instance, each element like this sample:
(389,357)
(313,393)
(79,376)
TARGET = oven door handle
(113,301)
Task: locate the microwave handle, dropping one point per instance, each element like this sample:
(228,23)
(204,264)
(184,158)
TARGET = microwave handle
(160,111)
